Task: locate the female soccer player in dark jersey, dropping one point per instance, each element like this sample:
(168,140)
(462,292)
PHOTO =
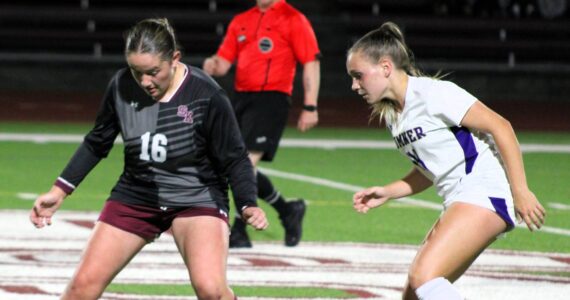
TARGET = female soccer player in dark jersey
(182,149)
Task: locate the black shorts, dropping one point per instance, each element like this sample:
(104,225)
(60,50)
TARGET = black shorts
(262,117)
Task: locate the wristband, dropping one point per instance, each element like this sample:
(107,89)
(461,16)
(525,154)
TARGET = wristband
(310,108)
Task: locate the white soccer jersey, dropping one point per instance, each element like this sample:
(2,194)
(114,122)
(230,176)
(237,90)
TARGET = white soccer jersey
(429,133)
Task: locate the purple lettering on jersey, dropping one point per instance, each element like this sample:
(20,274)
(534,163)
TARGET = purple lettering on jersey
(398,141)
(409,136)
(463,136)
(419,132)
(184,113)
(413,155)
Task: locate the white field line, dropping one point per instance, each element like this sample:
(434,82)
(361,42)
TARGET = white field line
(559,206)
(288,143)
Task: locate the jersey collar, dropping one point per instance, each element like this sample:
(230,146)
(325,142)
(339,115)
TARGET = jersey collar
(274,6)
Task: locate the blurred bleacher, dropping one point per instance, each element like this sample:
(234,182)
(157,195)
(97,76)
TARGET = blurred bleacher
(92,29)
(444,35)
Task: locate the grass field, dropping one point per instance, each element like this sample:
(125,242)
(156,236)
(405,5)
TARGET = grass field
(29,168)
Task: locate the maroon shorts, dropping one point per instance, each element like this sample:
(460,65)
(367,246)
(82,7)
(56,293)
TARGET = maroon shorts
(149,222)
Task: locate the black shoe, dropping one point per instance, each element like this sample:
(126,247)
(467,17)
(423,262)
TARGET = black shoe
(239,238)
(293,222)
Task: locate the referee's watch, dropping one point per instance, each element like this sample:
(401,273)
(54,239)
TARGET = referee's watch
(310,108)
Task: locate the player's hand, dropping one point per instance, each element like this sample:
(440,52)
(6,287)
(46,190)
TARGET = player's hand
(369,198)
(45,206)
(255,217)
(528,209)
(307,120)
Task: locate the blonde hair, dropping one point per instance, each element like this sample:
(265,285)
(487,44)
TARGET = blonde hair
(387,40)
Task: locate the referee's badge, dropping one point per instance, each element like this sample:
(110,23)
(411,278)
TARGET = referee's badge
(265,45)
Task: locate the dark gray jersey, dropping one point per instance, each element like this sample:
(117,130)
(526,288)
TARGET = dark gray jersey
(181,153)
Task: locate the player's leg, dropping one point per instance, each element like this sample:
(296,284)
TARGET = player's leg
(239,237)
(203,243)
(454,242)
(262,118)
(97,267)
(290,212)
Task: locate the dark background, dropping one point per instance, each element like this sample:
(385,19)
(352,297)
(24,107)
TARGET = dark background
(57,56)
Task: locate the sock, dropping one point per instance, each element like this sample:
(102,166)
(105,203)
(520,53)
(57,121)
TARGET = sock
(239,223)
(267,192)
(438,288)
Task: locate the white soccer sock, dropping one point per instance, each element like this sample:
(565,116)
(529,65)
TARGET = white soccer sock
(438,289)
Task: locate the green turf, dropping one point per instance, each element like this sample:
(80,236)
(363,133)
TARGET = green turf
(30,168)
(242,291)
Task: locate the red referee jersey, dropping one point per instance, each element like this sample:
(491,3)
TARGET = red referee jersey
(267,46)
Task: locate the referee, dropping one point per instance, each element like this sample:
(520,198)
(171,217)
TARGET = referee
(266,42)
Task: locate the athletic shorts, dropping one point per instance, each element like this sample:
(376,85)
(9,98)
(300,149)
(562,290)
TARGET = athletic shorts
(149,222)
(262,117)
(487,188)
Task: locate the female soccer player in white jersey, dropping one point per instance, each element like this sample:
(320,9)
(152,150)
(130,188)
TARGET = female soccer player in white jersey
(456,143)
(182,149)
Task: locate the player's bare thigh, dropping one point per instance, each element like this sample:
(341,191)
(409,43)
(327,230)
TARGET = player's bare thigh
(454,242)
(203,243)
(97,268)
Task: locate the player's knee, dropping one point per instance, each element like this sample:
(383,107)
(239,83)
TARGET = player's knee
(418,276)
(208,290)
(84,286)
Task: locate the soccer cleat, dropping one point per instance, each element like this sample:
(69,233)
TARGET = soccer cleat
(239,238)
(292,221)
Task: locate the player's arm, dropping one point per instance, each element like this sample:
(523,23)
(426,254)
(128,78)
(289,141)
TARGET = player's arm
(413,183)
(95,146)
(482,118)
(216,66)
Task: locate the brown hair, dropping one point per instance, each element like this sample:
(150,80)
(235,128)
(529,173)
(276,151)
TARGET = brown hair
(387,40)
(155,36)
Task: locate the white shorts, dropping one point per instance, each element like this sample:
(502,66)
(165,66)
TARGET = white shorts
(486,188)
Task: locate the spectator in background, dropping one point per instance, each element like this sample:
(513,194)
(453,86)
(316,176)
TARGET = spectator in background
(550,9)
(182,148)
(455,142)
(265,42)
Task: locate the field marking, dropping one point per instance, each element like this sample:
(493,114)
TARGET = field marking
(411,201)
(286,142)
(27,196)
(36,264)
(560,206)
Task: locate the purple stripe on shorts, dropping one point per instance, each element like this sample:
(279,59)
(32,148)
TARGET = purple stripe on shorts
(500,206)
(465,139)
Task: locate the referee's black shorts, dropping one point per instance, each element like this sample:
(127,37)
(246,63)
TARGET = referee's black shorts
(262,117)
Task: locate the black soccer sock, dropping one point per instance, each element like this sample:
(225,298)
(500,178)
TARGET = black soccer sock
(267,192)
(239,223)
